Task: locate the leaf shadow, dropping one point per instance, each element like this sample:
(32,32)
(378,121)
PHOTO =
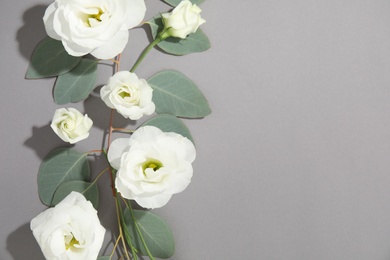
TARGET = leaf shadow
(43,140)
(32,31)
(21,244)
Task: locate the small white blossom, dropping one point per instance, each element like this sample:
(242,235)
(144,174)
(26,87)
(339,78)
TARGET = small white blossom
(70,125)
(69,231)
(183,20)
(98,27)
(152,165)
(129,95)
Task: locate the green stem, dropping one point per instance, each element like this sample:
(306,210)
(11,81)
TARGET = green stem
(139,231)
(160,37)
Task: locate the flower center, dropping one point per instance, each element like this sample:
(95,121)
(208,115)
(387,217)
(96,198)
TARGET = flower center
(70,241)
(152,164)
(124,94)
(95,16)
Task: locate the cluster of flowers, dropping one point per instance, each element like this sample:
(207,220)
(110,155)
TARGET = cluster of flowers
(151,165)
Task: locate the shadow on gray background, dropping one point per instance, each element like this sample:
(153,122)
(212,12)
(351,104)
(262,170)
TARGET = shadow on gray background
(21,244)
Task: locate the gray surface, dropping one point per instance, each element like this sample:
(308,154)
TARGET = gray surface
(294,162)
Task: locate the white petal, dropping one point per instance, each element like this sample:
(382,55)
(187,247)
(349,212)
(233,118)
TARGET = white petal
(49,23)
(117,148)
(135,12)
(113,47)
(156,201)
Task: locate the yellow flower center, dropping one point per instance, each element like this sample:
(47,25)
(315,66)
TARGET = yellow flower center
(71,243)
(152,164)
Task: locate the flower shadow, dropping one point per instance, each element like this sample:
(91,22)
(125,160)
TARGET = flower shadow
(43,140)
(22,245)
(32,31)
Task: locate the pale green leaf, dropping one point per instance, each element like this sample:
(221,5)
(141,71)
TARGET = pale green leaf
(59,166)
(77,84)
(168,123)
(50,59)
(89,190)
(155,231)
(195,42)
(175,94)
(176,2)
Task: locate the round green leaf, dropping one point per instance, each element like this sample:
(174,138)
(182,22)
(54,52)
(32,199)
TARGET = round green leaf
(59,166)
(195,42)
(50,59)
(176,2)
(155,231)
(168,123)
(175,94)
(89,190)
(77,84)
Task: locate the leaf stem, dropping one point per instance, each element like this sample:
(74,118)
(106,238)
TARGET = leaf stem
(160,37)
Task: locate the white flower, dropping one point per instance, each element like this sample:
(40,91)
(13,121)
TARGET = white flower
(70,125)
(152,165)
(70,230)
(130,96)
(98,27)
(183,20)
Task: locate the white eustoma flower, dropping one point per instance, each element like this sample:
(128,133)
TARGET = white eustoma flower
(70,125)
(98,27)
(69,231)
(152,165)
(129,95)
(183,20)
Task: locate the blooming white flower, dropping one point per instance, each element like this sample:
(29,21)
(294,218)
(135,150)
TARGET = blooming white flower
(183,20)
(98,27)
(152,165)
(129,95)
(70,125)
(70,230)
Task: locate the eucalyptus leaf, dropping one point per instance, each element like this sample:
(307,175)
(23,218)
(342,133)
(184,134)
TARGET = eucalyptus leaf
(155,231)
(195,42)
(77,84)
(89,190)
(50,59)
(175,94)
(176,2)
(168,123)
(59,166)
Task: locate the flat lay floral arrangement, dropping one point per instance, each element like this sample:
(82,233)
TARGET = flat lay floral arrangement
(147,166)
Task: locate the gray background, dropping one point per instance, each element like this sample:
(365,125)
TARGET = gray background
(292,164)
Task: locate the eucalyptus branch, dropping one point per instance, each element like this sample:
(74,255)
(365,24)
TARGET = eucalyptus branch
(138,230)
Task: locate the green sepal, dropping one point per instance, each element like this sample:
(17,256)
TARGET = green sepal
(194,42)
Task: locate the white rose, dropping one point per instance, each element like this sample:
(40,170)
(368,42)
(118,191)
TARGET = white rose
(98,27)
(183,20)
(152,165)
(70,125)
(70,230)
(129,95)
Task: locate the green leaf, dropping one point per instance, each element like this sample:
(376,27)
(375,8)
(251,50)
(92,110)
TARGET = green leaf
(50,59)
(168,123)
(175,94)
(176,2)
(89,190)
(195,42)
(104,258)
(155,231)
(59,166)
(77,84)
